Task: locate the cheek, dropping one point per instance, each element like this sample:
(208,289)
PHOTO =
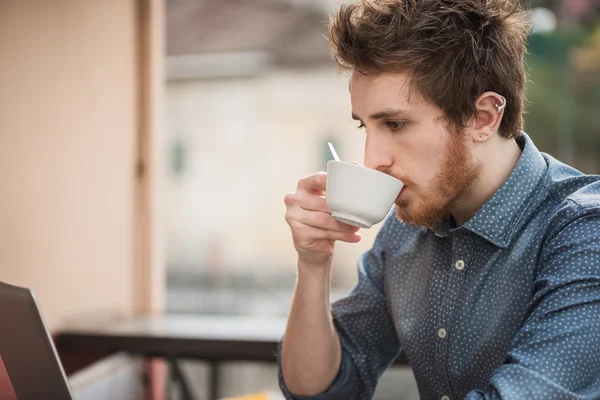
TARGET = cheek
(422,161)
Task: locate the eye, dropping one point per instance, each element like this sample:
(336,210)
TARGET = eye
(361,126)
(395,125)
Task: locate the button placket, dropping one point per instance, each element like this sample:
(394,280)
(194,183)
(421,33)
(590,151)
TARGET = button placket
(462,251)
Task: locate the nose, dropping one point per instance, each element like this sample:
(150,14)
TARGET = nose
(378,155)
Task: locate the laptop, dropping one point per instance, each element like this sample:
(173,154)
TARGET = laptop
(27,350)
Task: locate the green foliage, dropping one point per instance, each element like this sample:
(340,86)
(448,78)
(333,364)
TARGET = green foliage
(563,113)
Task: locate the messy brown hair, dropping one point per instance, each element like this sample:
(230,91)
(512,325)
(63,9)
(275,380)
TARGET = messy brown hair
(454,50)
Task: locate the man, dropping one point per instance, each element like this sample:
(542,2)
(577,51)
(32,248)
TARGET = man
(488,275)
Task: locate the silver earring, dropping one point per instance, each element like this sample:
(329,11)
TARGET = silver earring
(499,107)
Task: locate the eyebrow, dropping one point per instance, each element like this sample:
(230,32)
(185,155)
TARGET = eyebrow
(387,113)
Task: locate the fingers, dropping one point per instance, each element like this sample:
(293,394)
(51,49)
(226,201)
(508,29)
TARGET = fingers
(312,233)
(306,201)
(315,183)
(320,220)
(310,219)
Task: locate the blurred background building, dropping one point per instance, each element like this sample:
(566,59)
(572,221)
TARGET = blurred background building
(250,107)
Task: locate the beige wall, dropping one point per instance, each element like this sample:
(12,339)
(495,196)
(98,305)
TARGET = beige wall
(70,126)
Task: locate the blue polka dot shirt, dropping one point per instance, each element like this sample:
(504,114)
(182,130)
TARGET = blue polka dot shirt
(506,306)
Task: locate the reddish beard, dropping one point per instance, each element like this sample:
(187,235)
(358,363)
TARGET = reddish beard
(454,180)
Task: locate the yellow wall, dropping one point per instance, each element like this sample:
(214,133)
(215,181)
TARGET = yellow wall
(70,120)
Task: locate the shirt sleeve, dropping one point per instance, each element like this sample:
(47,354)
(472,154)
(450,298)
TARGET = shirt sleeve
(367,334)
(556,355)
(340,388)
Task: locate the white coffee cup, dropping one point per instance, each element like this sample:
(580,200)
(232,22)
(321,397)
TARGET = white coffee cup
(358,195)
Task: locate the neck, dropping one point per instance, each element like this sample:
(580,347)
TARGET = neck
(498,158)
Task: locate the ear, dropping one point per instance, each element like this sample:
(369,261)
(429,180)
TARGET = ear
(490,109)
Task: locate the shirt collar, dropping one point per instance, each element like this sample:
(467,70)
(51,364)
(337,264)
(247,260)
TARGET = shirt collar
(499,218)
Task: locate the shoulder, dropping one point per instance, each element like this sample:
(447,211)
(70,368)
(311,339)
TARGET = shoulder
(568,185)
(575,194)
(572,243)
(574,218)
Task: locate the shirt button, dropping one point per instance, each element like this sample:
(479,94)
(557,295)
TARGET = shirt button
(445,398)
(460,265)
(442,333)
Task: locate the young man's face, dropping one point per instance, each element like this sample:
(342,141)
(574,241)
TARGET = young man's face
(408,138)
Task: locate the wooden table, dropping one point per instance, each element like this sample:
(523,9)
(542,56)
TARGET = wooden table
(210,338)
